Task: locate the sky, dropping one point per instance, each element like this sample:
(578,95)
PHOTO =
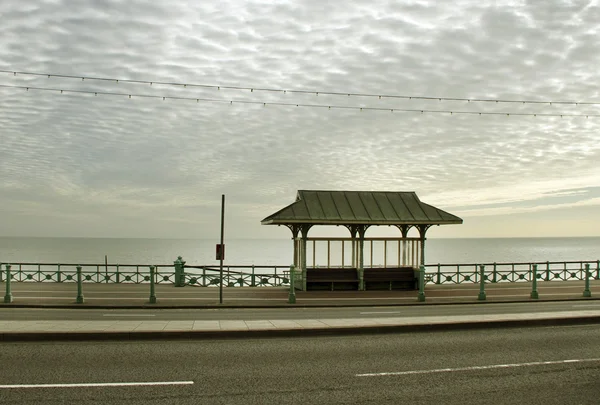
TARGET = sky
(142,155)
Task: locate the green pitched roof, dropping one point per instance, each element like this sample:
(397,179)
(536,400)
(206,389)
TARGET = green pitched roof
(359,207)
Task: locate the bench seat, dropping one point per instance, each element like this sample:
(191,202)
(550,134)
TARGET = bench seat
(331,279)
(395,278)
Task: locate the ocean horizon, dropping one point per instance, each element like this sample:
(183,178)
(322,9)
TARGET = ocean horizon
(268,252)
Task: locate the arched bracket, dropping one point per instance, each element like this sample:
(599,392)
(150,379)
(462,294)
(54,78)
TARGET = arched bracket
(404,229)
(295,228)
(304,228)
(423,230)
(357,230)
(299,230)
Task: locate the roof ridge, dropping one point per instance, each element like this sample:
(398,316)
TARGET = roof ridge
(356,191)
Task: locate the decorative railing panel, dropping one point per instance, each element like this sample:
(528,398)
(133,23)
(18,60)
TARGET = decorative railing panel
(91,273)
(238,276)
(276,276)
(511,272)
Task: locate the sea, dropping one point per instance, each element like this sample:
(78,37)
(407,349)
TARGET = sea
(279,252)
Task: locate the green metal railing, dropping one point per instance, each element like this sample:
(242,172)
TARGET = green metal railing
(90,273)
(203,276)
(179,274)
(275,276)
(511,272)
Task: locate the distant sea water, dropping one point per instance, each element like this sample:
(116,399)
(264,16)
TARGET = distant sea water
(279,251)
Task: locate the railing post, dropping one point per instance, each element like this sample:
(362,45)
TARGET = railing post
(439,274)
(58,275)
(79,286)
(152,292)
(253,278)
(587,293)
(534,291)
(179,272)
(204,277)
(292,294)
(481,296)
(495,274)
(598,270)
(547,271)
(421,295)
(8,296)
(118,275)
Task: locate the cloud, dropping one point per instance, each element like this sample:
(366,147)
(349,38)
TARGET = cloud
(161,166)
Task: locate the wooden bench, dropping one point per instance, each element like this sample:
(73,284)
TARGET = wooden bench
(331,279)
(391,278)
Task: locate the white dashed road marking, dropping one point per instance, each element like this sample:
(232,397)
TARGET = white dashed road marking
(490,367)
(84,385)
(125,315)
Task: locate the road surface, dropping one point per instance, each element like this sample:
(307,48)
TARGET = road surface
(543,365)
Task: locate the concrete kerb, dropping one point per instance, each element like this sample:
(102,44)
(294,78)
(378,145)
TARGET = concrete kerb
(294,333)
(297,305)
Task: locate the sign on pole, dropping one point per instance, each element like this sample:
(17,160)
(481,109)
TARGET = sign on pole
(220,253)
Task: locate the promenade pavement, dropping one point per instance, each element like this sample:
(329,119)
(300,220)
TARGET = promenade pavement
(136,296)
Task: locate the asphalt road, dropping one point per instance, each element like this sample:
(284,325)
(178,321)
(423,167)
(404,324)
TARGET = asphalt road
(291,313)
(550,365)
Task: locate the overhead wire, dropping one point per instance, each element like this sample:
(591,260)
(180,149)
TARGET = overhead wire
(315,92)
(291,104)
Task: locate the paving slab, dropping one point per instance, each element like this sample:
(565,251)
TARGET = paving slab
(125,330)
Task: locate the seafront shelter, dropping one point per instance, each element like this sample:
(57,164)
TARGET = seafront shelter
(396,267)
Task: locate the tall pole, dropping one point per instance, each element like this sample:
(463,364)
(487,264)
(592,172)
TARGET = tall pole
(222,252)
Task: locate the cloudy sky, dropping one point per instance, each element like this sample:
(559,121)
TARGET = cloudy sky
(79,164)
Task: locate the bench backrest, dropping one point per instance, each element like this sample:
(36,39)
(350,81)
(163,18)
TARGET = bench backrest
(341,274)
